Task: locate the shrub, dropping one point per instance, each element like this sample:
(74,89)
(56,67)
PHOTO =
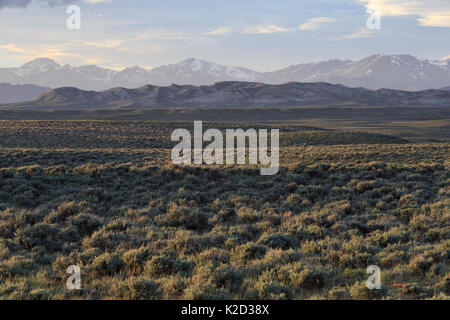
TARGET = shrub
(420,265)
(247,252)
(359,291)
(228,278)
(173,287)
(64,211)
(282,241)
(86,224)
(227,215)
(205,292)
(135,259)
(445,283)
(16,266)
(338,294)
(167,265)
(138,289)
(270,289)
(41,234)
(191,219)
(309,278)
(107,264)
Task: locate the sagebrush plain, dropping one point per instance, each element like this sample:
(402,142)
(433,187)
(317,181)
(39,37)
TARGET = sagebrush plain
(103,195)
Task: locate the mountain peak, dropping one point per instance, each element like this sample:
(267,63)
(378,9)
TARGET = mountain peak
(43,64)
(192,60)
(395,71)
(194,63)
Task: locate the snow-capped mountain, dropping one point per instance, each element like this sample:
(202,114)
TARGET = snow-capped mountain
(199,72)
(403,72)
(46,72)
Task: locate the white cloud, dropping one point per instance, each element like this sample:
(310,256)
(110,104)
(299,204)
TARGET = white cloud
(265,29)
(220,31)
(99,44)
(433,13)
(28,52)
(316,23)
(361,33)
(165,35)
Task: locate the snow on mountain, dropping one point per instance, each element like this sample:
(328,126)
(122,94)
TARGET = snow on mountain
(199,72)
(402,72)
(40,65)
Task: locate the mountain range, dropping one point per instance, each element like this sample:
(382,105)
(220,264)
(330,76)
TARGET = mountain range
(232,94)
(401,72)
(15,93)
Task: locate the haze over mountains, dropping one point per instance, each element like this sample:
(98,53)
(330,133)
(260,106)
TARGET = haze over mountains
(402,72)
(16,93)
(232,94)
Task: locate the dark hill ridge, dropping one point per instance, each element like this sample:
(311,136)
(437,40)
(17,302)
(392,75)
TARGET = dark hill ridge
(232,94)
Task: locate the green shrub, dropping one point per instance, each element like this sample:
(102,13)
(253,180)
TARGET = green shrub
(191,219)
(338,294)
(270,289)
(205,292)
(282,241)
(247,252)
(359,291)
(167,265)
(86,224)
(17,266)
(228,278)
(173,287)
(107,264)
(309,278)
(138,289)
(136,259)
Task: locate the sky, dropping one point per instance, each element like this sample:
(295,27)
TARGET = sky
(263,35)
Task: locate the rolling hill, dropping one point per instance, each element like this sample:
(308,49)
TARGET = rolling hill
(232,95)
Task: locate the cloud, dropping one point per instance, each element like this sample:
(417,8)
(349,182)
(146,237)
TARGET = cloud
(99,44)
(11,47)
(361,33)
(315,23)
(435,21)
(165,35)
(265,29)
(51,3)
(220,31)
(432,13)
(31,51)
(14,3)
